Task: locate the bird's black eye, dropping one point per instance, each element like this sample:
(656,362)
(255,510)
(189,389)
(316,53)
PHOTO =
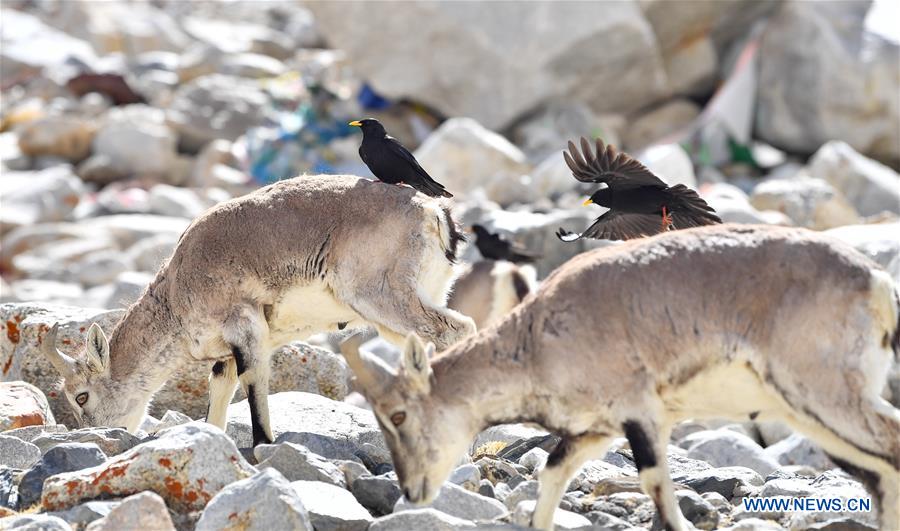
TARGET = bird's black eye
(398,418)
(81,398)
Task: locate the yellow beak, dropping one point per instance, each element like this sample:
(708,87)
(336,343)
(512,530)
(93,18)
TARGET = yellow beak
(587,202)
(355,123)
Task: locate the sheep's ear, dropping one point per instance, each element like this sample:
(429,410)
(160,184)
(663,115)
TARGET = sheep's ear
(416,366)
(97,349)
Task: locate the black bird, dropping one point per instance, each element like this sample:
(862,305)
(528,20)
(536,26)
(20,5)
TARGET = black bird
(640,203)
(392,163)
(496,247)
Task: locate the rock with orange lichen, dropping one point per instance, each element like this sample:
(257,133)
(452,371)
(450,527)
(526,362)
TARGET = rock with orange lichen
(22,404)
(187,465)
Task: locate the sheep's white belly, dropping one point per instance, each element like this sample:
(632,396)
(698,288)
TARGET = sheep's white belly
(307,310)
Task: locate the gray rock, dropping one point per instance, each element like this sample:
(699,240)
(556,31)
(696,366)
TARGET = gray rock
(534,459)
(296,463)
(869,185)
(331,508)
(186,465)
(827,46)
(430,519)
(265,501)
(467,476)
(352,470)
(786,486)
(671,163)
(144,510)
(216,106)
(457,501)
(463,156)
(8,492)
(771,431)
(660,122)
(697,510)
(505,433)
(378,494)
(113,441)
(167,200)
(733,206)
(527,490)
(83,514)
(753,524)
(16,453)
(561,519)
(521,61)
(66,457)
(727,481)
(798,450)
(34,45)
(334,430)
(34,522)
(810,203)
(127,287)
(722,448)
(486,489)
(608,522)
(147,254)
(593,472)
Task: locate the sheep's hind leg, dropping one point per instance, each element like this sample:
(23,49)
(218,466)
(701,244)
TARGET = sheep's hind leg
(222,382)
(244,332)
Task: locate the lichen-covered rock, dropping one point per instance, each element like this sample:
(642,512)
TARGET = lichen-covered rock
(331,508)
(187,465)
(22,404)
(343,427)
(145,510)
(265,501)
(62,458)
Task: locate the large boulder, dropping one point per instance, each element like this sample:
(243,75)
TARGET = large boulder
(335,430)
(824,76)
(35,197)
(28,46)
(878,241)
(497,60)
(186,465)
(810,203)
(136,141)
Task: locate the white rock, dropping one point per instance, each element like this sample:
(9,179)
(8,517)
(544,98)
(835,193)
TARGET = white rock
(878,241)
(127,288)
(147,254)
(430,519)
(27,46)
(144,510)
(798,450)
(691,68)
(810,203)
(265,501)
(297,463)
(670,163)
(722,448)
(137,141)
(34,197)
(34,522)
(101,267)
(467,476)
(534,459)
(869,185)
(837,81)
(462,155)
(504,57)
(251,65)
(733,206)
(331,508)
(175,201)
(561,519)
(457,501)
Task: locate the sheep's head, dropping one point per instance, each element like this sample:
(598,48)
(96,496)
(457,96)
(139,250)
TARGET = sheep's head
(426,436)
(96,398)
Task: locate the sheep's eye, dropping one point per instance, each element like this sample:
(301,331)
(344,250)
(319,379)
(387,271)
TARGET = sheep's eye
(398,418)
(81,398)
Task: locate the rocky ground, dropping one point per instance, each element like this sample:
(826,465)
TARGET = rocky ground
(122,121)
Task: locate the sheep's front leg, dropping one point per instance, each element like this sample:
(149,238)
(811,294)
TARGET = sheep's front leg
(562,463)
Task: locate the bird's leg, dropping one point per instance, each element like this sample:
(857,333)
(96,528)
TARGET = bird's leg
(667,222)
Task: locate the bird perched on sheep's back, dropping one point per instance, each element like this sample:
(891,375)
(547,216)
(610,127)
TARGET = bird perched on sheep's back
(496,247)
(639,202)
(392,163)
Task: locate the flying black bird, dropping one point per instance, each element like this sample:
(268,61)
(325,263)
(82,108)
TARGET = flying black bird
(496,247)
(640,203)
(392,163)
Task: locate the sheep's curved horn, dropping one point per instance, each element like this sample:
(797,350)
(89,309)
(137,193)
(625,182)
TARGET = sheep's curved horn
(64,364)
(350,350)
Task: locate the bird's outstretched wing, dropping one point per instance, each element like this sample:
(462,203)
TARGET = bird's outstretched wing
(426,184)
(691,209)
(614,225)
(618,170)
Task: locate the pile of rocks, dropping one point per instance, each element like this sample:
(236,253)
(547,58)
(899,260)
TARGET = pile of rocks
(329,468)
